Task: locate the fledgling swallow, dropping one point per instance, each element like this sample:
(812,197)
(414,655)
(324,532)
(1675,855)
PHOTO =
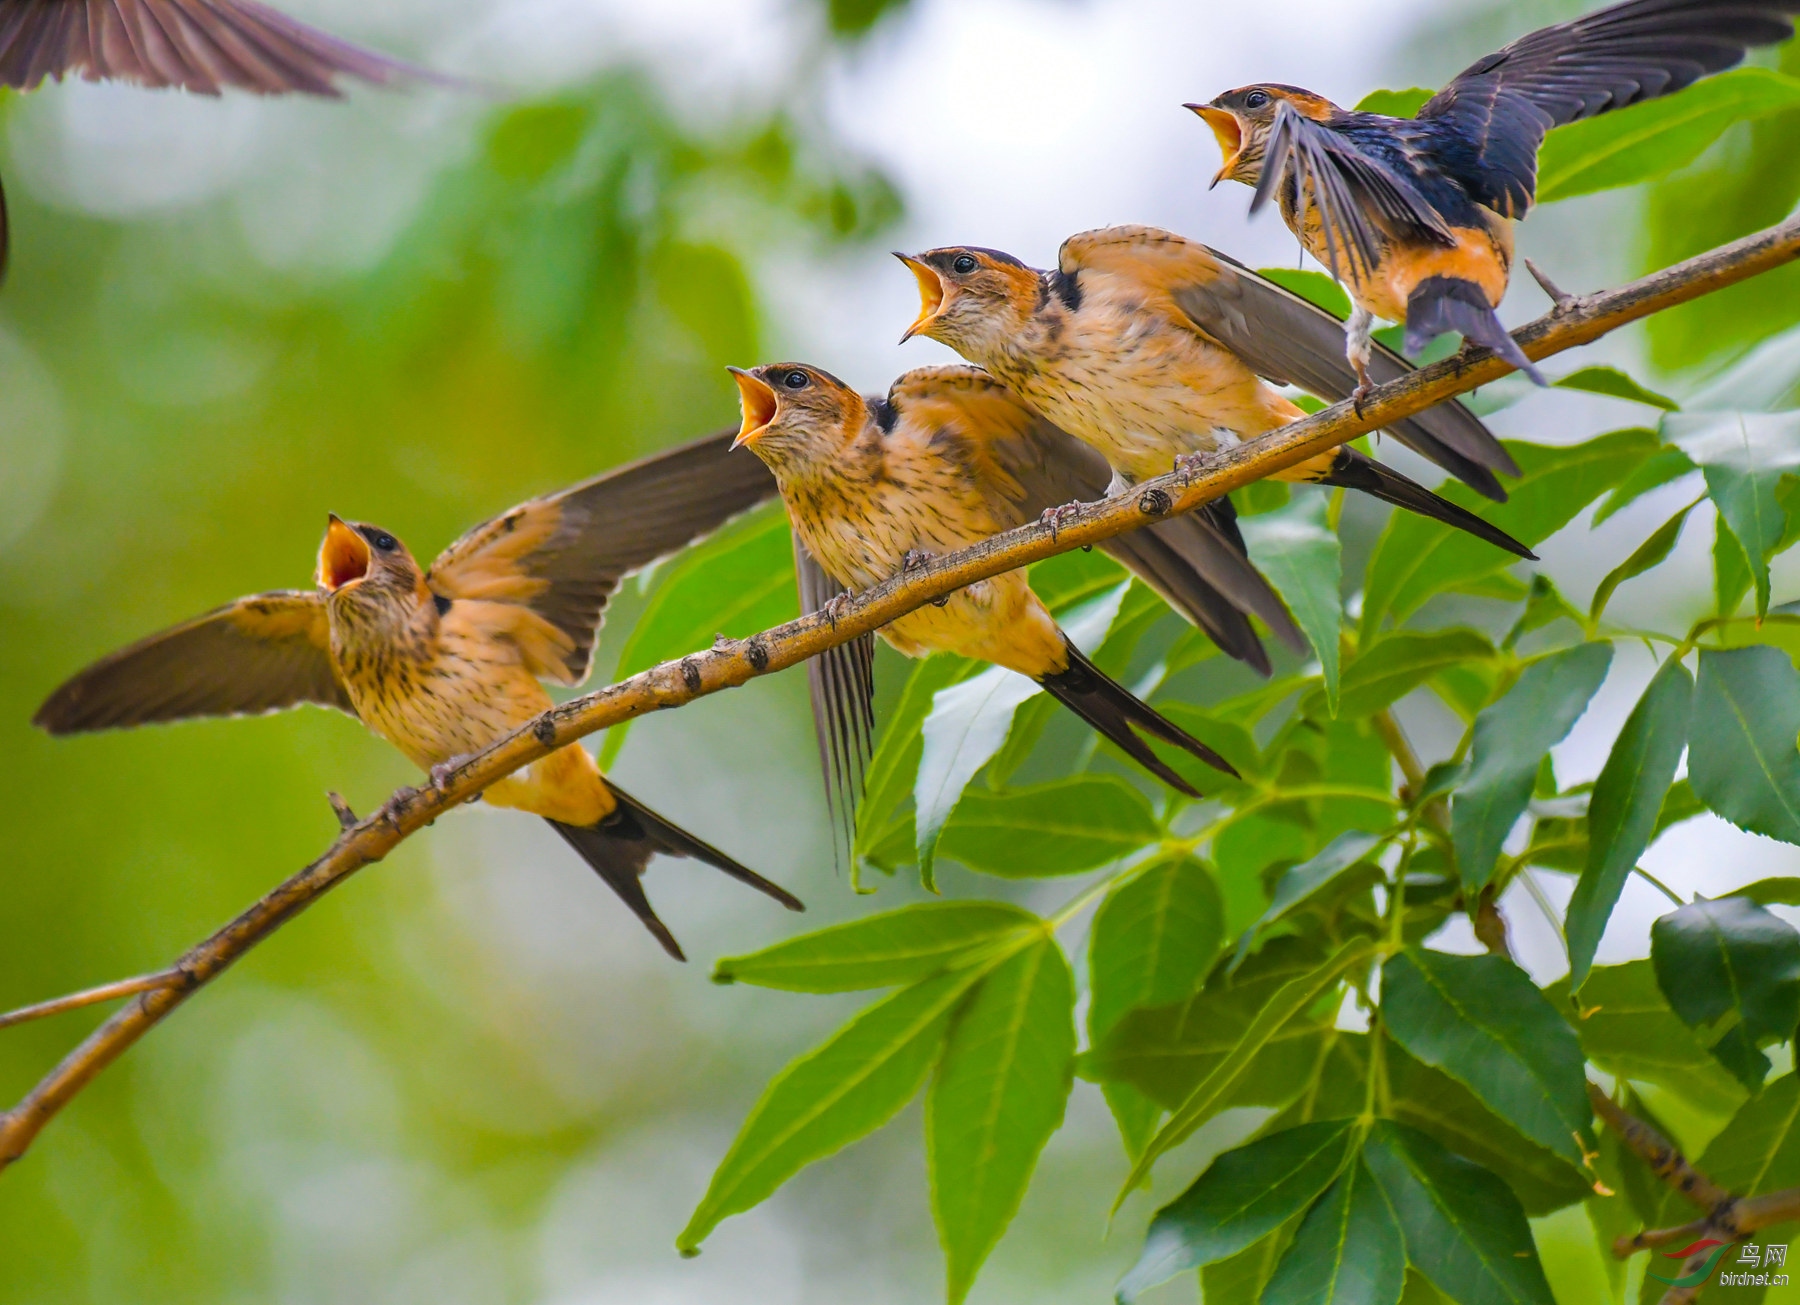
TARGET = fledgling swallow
(443,662)
(201,46)
(1152,348)
(1414,215)
(947,458)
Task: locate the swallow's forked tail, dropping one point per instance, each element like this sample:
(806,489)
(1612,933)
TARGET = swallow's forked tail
(1112,709)
(1353,470)
(1447,303)
(620,847)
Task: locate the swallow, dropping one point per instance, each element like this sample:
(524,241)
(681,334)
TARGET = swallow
(442,662)
(1154,349)
(201,46)
(947,458)
(1415,215)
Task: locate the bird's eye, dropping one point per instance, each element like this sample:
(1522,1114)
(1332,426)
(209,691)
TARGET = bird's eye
(795,380)
(1256,99)
(384,542)
(964,264)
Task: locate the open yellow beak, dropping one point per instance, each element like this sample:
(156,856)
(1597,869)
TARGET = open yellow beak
(1227,131)
(931,294)
(343,557)
(757,402)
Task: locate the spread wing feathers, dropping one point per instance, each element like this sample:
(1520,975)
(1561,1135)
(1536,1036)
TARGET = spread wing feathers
(563,555)
(197,45)
(256,655)
(1196,562)
(1345,186)
(842,684)
(1503,104)
(1281,336)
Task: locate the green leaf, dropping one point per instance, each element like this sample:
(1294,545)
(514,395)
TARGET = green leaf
(1484,1023)
(1744,456)
(1783,889)
(998,1096)
(848,1087)
(1651,553)
(1395,664)
(738,582)
(881,951)
(1432,1102)
(1396,104)
(1464,1229)
(1211,1095)
(1064,827)
(1544,606)
(1622,814)
(1731,964)
(1241,1279)
(1678,805)
(1417,557)
(1306,880)
(1511,737)
(1615,384)
(1628,1030)
(1314,287)
(1244,1195)
(969,722)
(1732,576)
(1069,579)
(1742,759)
(1153,940)
(887,787)
(1299,554)
(1654,138)
(1667,464)
(1164,1052)
(1348,1250)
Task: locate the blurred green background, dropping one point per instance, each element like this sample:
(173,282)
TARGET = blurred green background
(468,1075)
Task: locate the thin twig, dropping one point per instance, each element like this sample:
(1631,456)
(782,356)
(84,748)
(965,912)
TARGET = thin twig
(91,997)
(730,663)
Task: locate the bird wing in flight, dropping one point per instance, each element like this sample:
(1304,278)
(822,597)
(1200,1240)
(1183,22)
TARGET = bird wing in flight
(197,45)
(562,556)
(1352,192)
(1504,104)
(256,655)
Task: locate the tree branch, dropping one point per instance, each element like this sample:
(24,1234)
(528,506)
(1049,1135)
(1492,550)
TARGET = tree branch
(1727,1218)
(1575,321)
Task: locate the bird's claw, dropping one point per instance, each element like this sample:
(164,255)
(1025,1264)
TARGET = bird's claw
(1190,464)
(835,607)
(914,559)
(1359,396)
(1057,517)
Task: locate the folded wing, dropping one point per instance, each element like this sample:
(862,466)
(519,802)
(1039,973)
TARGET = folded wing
(1283,337)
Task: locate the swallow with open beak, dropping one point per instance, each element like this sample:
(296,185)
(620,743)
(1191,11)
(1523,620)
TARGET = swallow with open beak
(201,46)
(1414,215)
(445,661)
(1154,349)
(947,458)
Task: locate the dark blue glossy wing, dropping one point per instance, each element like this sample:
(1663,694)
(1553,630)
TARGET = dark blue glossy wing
(1498,110)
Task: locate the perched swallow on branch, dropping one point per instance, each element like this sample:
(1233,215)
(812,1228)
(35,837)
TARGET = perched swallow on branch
(948,458)
(1414,215)
(196,45)
(443,662)
(1152,348)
